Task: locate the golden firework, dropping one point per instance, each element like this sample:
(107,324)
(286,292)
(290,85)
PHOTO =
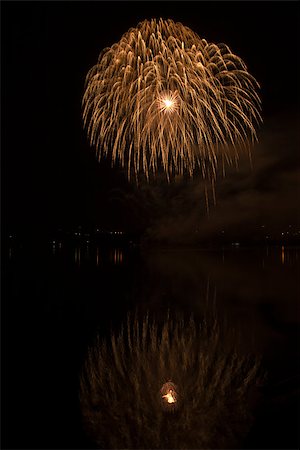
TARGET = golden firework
(162,96)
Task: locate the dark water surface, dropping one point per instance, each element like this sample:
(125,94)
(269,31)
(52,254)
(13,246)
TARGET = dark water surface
(55,298)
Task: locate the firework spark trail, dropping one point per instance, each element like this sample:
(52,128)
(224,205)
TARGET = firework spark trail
(164,96)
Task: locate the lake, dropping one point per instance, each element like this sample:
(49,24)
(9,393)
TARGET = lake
(57,297)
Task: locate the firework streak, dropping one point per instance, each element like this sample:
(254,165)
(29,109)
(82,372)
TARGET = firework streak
(162,96)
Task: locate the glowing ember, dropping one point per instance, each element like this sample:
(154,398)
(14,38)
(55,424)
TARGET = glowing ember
(169,396)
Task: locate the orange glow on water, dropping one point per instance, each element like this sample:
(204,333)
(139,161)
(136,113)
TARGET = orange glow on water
(282,255)
(170,397)
(117,256)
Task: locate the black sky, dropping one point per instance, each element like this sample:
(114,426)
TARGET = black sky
(50,176)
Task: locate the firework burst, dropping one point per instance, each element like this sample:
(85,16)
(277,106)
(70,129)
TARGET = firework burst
(162,96)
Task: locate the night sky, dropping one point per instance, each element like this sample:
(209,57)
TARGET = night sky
(50,176)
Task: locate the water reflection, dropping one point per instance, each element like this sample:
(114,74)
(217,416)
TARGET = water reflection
(116,256)
(81,290)
(97,257)
(265,256)
(88,254)
(122,382)
(282,254)
(87,251)
(56,247)
(77,255)
(256,295)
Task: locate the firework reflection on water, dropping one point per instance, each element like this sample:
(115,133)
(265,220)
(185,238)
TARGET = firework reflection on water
(124,381)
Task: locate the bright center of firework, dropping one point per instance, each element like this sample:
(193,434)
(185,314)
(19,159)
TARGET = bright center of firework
(168,103)
(169,397)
